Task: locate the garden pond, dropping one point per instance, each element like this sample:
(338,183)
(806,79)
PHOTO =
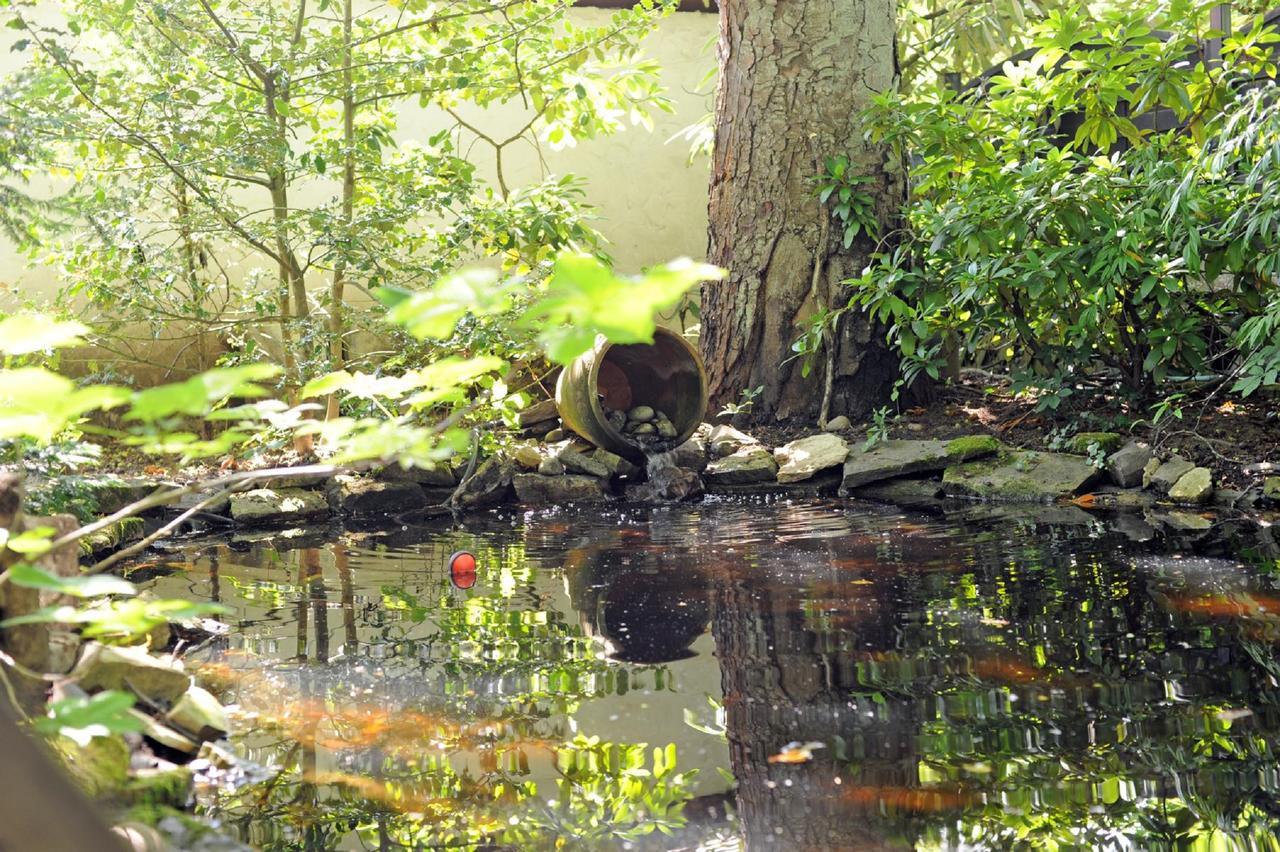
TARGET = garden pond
(740,673)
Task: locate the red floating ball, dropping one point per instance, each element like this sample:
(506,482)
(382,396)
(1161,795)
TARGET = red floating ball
(462,569)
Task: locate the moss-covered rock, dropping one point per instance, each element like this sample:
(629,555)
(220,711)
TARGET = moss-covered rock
(1020,476)
(968,447)
(894,458)
(100,767)
(170,786)
(112,537)
(1082,443)
(1271,488)
(1195,486)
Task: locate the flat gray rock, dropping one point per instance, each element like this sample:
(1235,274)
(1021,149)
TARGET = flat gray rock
(1164,477)
(1126,464)
(1194,487)
(801,459)
(748,465)
(576,461)
(893,459)
(359,495)
(537,489)
(1020,477)
(278,505)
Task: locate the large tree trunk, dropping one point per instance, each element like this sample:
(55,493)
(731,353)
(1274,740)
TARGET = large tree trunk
(794,77)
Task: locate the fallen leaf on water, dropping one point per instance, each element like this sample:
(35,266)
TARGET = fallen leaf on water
(796,752)
(919,799)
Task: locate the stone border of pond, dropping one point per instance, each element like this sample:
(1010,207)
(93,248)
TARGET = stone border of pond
(1101,473)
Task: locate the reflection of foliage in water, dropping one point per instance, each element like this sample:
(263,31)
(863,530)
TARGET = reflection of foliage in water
(993,687)
(489,755)
(1088,712)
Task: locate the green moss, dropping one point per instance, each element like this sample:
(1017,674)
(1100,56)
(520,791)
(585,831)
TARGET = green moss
(100,768)
(167,788)
(1271,488)
(113,536)
(972,446)
(1107,442)
(152,813)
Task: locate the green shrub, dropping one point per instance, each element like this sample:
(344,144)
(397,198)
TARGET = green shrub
(1132,256)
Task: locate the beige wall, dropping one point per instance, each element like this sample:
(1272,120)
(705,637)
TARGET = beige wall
(651,201)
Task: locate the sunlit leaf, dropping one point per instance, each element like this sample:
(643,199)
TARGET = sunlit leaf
(93,586)
(22,334)
(84,717)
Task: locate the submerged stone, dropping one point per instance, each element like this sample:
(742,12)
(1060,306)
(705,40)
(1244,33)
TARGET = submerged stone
(896,458)
(278,505)
(748,465)
(1125,465)
(802,458)
(1184,521)
(1194,486)
(1020,476)
(161,680)
(537,489)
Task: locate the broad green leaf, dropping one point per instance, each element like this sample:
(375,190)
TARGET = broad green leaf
(435,312)
(197,394)
(84,717)
(93,586)
(36,403)
(23,334)
(585,298)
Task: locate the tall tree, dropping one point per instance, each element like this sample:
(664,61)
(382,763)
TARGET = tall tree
(794,78)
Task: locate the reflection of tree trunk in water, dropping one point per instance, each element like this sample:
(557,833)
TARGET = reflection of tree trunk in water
(342,561)
(313,583)
(782,683)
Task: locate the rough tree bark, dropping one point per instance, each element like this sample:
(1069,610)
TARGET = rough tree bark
(794,76)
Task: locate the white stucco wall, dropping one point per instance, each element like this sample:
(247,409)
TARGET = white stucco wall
(651,201)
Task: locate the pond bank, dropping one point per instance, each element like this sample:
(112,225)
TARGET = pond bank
(1102,475)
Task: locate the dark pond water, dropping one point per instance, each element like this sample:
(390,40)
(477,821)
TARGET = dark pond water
(632,677)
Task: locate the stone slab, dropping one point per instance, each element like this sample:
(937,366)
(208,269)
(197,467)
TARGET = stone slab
(1021,476)
(897,458)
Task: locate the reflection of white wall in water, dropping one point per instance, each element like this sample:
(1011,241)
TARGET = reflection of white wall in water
(651,202)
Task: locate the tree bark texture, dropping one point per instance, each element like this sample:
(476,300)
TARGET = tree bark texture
(794,78)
